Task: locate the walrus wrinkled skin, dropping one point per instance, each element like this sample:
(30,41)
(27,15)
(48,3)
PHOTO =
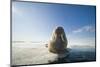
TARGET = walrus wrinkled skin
(58,42)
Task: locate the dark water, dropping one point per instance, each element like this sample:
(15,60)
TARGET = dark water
(78,54)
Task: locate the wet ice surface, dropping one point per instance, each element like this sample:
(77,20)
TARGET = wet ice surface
(25,55)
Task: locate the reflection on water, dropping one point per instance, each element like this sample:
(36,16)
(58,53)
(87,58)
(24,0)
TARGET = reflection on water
(79,54)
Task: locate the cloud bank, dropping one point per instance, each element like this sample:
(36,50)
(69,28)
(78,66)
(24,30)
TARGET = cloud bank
(88,28)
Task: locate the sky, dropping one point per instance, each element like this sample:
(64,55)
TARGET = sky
(35,22)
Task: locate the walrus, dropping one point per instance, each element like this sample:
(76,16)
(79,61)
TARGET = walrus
(58,42)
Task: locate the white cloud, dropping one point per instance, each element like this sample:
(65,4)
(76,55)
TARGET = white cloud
(88,28)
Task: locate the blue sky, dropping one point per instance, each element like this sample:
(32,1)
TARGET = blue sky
(35,21)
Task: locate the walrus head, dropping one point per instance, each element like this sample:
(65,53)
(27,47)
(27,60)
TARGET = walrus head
(59,32)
